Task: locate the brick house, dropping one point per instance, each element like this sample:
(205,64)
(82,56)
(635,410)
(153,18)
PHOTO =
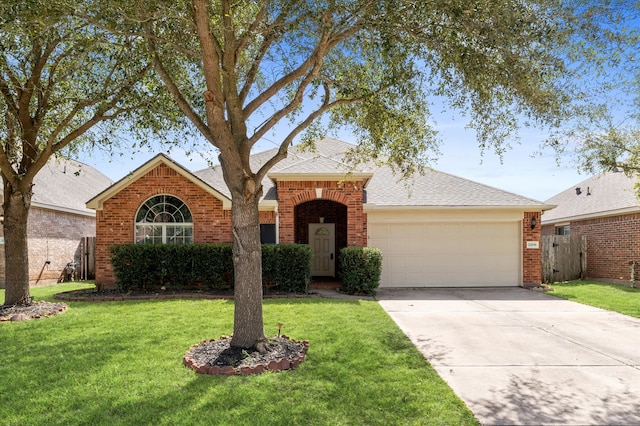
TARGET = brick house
(58,219)
(605,209)
(434,230)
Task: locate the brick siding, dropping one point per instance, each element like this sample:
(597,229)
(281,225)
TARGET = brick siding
(295,193)
(267,217)
(531,258)
(53,236)
(116,221)
(612,242)
(299,203)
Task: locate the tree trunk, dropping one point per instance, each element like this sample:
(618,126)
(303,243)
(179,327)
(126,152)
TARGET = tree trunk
(16,254)
(248,328)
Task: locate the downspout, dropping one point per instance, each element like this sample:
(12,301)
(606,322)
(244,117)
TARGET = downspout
(277,225)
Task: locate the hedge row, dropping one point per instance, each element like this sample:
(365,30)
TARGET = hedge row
(360,269)
(142,267)
(286,267)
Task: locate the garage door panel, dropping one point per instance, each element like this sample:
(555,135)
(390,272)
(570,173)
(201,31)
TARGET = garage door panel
(448,254)
(396,262)
(413,246)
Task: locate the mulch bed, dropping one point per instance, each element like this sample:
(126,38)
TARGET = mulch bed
(218,357)
(33,311)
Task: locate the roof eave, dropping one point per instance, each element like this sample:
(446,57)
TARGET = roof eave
(319,176)
(528,208)
(596,215)
(268,205)
(63,209)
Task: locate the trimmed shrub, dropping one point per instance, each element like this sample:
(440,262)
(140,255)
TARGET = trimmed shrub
(149,267)
(360,269)
(213,265)
(134,266)
(142,267)
(286,267)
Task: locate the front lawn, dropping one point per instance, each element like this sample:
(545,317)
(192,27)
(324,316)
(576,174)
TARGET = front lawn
(617,298)
(120,363)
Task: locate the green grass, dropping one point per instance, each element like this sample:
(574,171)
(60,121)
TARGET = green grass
(120,363)
(617,298)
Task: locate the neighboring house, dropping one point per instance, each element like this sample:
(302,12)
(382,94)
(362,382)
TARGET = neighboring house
(434,230)
(606,210)
(58,218)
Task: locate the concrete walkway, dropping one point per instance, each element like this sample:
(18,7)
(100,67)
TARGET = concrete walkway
(516,356)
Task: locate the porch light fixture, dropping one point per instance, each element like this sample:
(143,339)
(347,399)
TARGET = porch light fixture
(533,222)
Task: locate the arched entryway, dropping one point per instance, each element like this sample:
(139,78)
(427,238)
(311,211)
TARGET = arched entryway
(326,212)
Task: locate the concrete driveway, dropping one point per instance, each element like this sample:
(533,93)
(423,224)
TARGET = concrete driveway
(515,356)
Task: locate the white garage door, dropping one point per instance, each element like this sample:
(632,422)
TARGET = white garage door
(448,254)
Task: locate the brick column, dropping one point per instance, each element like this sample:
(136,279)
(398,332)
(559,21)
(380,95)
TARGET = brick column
(531,257)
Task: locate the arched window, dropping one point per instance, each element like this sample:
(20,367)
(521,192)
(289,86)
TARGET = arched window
(164,219)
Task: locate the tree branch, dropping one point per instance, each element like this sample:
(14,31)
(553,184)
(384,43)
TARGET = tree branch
(253,28)
(175,92)
(211,62)
(269,37)
(6,94)
(284,146)
(230,82)
(327,42)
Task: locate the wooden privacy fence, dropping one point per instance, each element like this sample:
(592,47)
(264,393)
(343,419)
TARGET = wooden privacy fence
(88,261)
(564,257)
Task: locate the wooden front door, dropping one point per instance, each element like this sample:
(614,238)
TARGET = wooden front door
(322,239)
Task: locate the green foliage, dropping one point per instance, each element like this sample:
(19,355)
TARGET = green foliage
(287,267)
(65,82)
(120,363)
(144,267)
(360,269)
(612,297)
(213,265)
(174,267)
(603,131)
(371,67)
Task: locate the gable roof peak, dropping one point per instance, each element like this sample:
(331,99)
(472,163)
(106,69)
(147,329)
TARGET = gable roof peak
(97,202)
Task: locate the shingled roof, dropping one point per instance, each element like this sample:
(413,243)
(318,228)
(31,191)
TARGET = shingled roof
(439,189)
(384,189)
(66,185)
(605,194)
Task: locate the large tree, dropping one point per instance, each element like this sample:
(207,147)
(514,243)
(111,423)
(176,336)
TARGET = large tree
(244,70)
(62,81)
(604,131)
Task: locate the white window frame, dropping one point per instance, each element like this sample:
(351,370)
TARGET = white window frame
(155,213)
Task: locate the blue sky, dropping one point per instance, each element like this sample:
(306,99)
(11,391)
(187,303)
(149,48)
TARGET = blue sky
(538,177)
